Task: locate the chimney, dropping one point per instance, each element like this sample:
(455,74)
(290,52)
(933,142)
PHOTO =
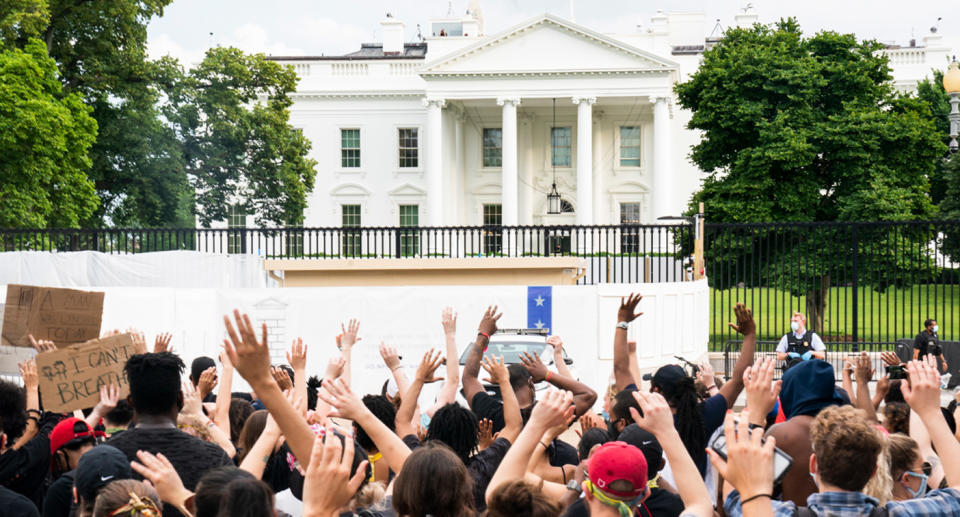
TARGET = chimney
(391,30)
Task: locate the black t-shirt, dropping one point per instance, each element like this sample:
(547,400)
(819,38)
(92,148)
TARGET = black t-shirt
(927,344)
(25,470)
(190,456)
(661,503)
(16,505)
(481,466)
(59,500)
(486,406)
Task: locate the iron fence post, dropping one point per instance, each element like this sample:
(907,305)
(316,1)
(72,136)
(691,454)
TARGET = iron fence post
(856,288)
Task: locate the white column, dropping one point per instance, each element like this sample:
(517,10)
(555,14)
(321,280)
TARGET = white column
(584,159)
(509,168)
(434,161)
(598,179)
(456,207)
(662,163)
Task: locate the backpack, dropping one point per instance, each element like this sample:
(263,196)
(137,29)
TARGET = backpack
(878,511)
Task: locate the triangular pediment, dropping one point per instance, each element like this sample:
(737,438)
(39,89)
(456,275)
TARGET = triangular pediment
(547,44)
(407,190)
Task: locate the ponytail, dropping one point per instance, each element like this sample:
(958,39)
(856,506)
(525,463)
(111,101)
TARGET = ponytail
(689,418)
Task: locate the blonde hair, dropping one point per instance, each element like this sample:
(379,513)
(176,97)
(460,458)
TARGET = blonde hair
(802,316)
(130,497)
(880,486)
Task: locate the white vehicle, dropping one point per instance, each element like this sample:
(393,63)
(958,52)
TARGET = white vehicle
(511,343)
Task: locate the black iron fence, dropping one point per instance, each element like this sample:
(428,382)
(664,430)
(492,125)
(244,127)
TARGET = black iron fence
(860,285)
(613,253)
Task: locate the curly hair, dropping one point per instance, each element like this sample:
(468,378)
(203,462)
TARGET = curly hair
(456,427)
(384,411)
(689,418)
(896,418)
(154,382)
(847,447)
(520,498)
(313,390)
(13,404)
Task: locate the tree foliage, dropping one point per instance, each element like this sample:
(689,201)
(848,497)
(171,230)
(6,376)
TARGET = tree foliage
(44,138)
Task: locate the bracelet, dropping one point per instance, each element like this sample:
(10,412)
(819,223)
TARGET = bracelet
(35,421)
(710,387)
(397,367)
(482,333)
(544,445)
(35,411)
(758,496)
(547,377)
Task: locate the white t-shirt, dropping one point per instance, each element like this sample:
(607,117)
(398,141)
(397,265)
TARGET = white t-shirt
(815,342)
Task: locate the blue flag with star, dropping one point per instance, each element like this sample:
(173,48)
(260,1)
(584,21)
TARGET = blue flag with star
(539,307)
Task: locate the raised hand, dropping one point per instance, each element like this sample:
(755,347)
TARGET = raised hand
(207,382)
(706,374)
(162,342)
(589,421)
(555,408)
(335,367)
(657,416)
(762,392)
(328,486)
(488,324)
(534,365)
(250,357)
(390,355)
(485,436)
(41,345)
(745,324)
(627,311)
(192,403)
(139,340)
(749,463)
(343,399)
(890,358)
(297,356)
(496,369)
(28,372)
(282,378)
(348,337)
(922,392)
(449,321)
(428,365)
(864,371)
(163,476)
(109,397)
(557,343)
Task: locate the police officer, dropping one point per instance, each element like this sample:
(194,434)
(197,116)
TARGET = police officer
(800,344)
(928,343)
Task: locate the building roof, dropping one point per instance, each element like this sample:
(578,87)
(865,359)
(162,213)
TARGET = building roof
(368,51)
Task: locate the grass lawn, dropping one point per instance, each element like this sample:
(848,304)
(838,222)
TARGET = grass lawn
(896,313)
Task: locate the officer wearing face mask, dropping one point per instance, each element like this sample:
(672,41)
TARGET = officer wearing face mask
(928,343)
(800,344)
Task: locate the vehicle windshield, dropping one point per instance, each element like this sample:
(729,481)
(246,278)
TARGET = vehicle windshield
(510,351)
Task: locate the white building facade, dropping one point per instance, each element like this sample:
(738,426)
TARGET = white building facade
(465,129)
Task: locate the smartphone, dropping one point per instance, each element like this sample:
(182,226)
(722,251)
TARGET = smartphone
(896,372)
(781,460)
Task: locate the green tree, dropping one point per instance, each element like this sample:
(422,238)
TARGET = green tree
(239,148)
(21,20)
(931,91)
(807,129)
(44,139)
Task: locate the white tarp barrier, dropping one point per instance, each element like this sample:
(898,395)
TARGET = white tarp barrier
(81,269)
(675,321)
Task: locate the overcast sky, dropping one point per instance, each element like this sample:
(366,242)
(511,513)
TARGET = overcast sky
(298,27)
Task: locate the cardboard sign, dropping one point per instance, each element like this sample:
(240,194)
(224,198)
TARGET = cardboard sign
(64,316)
(71,377)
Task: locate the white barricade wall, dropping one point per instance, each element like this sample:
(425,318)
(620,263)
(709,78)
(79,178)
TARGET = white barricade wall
(675,321)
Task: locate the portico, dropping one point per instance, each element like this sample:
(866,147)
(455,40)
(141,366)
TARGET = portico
(596,115)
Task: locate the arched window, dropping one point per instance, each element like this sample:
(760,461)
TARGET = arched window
(566,207)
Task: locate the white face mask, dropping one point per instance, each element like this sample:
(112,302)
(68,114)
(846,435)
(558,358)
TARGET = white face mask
(794,326)
(936,328)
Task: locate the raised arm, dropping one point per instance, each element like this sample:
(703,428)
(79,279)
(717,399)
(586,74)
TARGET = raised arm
(31,384)
(746,326)
(658,420)
(252,361)
(749,465)
(922,393)
(512,419)
(221,413)
(408,404)
(391,358)
(556,343)
(448,394)
(864,374)
(349,406)
(583,396)
(297,358)
(553,409)
(488,325)
(622,372)
(346,340)
(193,411)
(109,397)
(255,462)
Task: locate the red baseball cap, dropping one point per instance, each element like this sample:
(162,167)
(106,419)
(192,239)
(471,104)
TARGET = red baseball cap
(618,461)
(67,430)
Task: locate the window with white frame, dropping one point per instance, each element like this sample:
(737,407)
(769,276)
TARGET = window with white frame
(236,220)
(629,146)
(351,239)
(409,239)
(492,233)
(492,147)
(350,148)
(630,231)
(561,141)
(409,147)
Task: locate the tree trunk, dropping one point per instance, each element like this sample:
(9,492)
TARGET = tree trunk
(817,304)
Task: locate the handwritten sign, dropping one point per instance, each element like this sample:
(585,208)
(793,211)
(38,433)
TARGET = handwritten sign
(71,377)
(64,316)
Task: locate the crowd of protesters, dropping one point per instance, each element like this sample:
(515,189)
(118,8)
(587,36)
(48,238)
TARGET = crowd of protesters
(665,444)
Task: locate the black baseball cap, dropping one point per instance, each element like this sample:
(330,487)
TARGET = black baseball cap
(98,467)
(647,443)
(667,377)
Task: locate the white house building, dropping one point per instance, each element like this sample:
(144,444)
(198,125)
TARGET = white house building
(465,128)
